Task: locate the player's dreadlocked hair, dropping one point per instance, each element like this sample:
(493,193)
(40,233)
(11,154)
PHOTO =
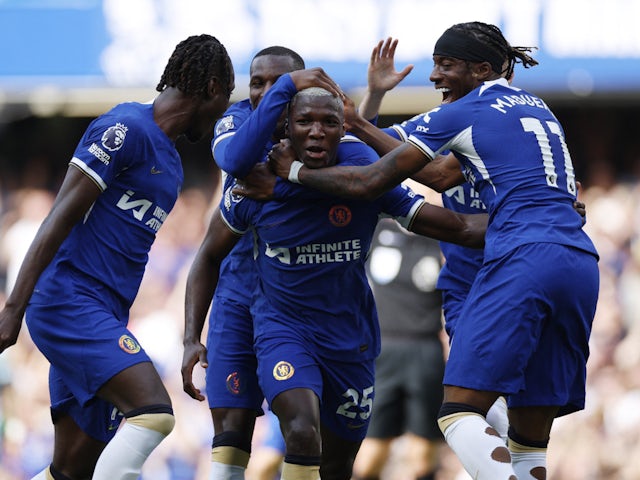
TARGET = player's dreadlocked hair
(492,37)
(193,63)
(298,62)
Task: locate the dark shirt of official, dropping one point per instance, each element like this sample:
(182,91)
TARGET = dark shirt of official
(403,270)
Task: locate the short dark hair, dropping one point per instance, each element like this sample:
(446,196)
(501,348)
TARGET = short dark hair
(193,63)
(298,62)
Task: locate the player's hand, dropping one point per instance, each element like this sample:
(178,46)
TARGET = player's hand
(351,115)
(281,157)
(10,324)
(193,353)
(315,77)
(382,75)
(258,185)
(579,206)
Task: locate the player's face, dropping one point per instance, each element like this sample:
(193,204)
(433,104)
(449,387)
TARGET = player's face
(452,77)
(315,127)
(264,72)
(209,110)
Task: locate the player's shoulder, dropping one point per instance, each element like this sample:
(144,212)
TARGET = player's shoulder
(235,115)
(353,151)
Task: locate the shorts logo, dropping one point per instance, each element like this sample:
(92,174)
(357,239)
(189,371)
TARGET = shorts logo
(113,137)
(283,371)
(340,216)
(128,344)
(234,385)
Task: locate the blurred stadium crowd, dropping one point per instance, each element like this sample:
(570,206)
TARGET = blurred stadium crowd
(600,443)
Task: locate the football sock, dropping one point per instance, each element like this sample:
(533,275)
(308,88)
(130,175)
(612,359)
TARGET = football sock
(477,445)
(298,467)
(44,475)
(497,417)
(228,463)
(124,455)
(529,461)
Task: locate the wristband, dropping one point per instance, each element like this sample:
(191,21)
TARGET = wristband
(293,171)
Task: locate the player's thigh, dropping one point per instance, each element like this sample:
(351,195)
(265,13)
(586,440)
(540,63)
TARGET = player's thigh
(135,387)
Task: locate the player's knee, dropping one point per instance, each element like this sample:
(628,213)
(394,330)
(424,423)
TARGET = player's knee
(303,439)
(450,412)
(158,418)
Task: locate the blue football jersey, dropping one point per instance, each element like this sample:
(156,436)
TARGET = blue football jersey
(311,251)
(462,263)
(140,174)
(529,194)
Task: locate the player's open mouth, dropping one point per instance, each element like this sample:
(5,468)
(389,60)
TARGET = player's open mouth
(315,152)
(445,94)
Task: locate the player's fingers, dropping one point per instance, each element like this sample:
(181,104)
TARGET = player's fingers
(375,52)
(392,48)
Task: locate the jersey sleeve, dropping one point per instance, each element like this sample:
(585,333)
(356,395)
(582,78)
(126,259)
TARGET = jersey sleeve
(402,204)
(107,147)
(237,211)
(237,148)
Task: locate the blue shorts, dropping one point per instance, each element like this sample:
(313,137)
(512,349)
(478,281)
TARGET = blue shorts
(524,330)
(97,418)
(86,346)
(345,389)
(452,303)
(231,378)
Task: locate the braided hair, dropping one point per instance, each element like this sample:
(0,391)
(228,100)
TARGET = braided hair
(493,38)
(193,63)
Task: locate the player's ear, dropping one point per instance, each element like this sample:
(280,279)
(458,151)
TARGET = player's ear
(286,128)
(213,87)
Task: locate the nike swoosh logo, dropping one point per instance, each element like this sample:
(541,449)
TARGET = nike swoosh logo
(155,171)
(351,426)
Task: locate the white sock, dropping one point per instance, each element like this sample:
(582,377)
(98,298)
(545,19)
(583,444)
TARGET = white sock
(477,450)
(497,417)
(43,475)
(124,455)
(525,461)
(223,471)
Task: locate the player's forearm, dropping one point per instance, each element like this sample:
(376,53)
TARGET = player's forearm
(445,225)
(201,285)
(370,104)
(246,148)
(376,138)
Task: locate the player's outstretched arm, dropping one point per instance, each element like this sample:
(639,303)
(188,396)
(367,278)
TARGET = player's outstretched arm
(382,76)
(202,281)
